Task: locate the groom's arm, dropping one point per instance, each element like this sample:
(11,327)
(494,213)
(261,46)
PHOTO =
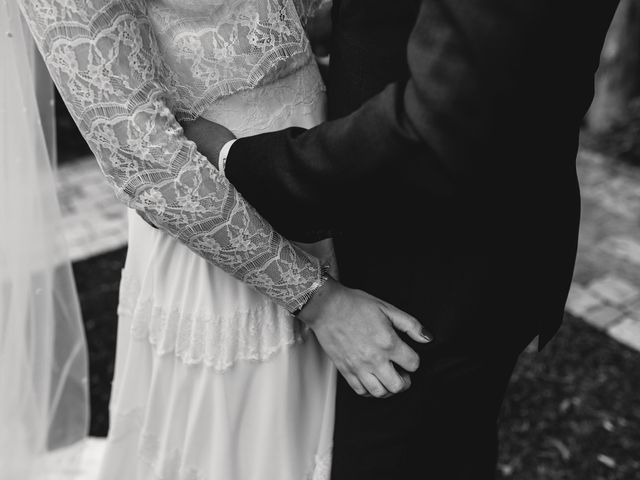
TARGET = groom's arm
(466,64)
(311,174)
(107,58)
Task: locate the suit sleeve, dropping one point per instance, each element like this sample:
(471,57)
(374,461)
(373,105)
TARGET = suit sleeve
(459,54)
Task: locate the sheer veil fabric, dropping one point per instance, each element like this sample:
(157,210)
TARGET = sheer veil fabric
(43,356)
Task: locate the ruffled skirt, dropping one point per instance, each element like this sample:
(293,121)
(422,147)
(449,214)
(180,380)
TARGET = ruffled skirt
(213,381)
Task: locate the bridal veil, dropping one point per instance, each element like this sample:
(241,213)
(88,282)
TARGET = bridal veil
(43,356)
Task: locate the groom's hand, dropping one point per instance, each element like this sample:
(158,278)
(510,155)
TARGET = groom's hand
(208,136)
(357,331)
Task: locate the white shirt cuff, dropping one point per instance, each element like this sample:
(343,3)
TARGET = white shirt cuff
(224,153)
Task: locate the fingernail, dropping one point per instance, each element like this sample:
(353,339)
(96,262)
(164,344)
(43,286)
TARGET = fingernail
(426,335)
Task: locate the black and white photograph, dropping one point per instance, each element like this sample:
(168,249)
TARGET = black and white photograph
(319,240)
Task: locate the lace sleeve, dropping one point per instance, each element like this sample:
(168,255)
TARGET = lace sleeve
(103,57)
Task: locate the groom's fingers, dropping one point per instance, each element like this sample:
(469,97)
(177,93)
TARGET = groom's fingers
(406,323)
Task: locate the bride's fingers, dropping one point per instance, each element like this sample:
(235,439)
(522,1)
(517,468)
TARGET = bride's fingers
(391,379)
(374,386)
(355,384)
(405,357)
(407,379)
(406,323)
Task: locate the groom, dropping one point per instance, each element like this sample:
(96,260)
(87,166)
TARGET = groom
(447,178)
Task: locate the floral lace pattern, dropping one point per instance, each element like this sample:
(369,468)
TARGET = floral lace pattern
(205,338)
(121,67)
(271,107)
(251,43)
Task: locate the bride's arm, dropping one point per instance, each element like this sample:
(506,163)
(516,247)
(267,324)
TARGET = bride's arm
(103,57)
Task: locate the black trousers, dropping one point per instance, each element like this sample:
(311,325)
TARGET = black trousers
(443,428)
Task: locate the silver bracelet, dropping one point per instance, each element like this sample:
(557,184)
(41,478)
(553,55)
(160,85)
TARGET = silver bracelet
(224,153)
(319,282)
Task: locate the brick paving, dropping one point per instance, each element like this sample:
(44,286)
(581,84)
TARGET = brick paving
(606,288)
(94,221)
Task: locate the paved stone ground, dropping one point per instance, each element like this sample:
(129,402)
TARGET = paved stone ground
(606,288)
(94,221)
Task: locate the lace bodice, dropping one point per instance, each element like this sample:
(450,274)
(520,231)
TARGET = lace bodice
(250,43)
(127,68)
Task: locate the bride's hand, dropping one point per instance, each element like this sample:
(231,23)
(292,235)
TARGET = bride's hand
(359,333)
(208,136)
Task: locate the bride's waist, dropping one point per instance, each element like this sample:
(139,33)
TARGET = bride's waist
(295,100)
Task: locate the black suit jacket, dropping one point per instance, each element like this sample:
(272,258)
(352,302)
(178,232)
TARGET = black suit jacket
(447,171)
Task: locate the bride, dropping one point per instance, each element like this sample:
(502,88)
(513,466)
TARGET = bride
(213,379)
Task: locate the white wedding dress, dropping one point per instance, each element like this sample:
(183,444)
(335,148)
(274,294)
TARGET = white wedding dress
(214,379)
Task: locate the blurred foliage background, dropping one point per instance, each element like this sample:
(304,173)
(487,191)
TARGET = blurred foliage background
(613,122)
